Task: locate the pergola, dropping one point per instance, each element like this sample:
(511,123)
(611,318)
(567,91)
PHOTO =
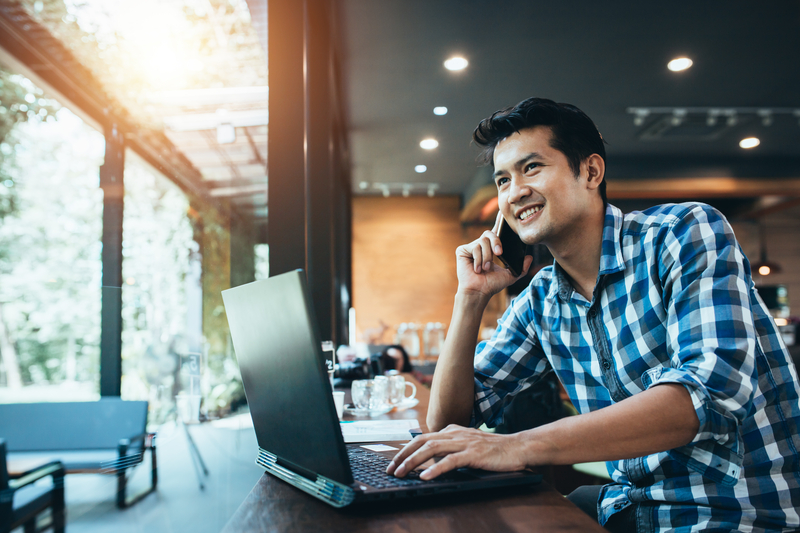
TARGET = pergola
(212,142)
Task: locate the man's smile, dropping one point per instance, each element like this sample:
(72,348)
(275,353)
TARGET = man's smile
(528,212)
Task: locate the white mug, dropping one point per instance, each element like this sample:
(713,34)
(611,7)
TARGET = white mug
(397,389)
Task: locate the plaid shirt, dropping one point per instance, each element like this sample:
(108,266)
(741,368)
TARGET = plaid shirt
(674,303)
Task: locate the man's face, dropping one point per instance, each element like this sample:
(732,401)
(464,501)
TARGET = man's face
(537,191)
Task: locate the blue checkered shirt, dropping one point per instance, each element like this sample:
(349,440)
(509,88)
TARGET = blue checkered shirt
(674,303)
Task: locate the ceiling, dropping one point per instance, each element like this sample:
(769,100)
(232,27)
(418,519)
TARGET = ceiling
(604,57)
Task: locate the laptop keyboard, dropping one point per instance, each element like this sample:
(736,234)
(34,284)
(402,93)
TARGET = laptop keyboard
(370,468)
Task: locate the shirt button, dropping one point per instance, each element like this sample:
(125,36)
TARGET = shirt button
(606,365)
(618,506)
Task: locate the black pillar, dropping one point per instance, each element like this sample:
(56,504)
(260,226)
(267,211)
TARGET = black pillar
(308,199)
(111,181)
(286,164)
(319,176)
(243,257)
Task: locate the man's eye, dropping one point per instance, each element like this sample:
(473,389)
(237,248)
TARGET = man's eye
(531,166)
(501,181)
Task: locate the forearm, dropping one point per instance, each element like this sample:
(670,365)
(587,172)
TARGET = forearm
(452,390)
(655,420)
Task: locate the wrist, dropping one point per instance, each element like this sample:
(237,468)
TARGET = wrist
(535,447)
(472,299)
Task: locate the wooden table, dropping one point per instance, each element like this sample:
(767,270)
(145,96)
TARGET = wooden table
(273,505)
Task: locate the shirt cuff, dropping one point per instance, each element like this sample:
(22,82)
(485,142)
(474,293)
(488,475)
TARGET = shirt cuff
(715,451)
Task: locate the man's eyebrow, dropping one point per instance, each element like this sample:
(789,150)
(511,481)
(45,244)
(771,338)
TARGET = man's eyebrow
(520,162)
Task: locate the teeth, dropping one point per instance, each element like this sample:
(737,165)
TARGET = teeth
(525,214)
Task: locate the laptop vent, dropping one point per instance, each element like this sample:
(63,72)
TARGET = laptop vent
(327,490)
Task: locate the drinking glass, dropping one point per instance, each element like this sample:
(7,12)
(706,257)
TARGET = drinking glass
(369,393)
(397,389)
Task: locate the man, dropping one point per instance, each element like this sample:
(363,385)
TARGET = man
(652,324)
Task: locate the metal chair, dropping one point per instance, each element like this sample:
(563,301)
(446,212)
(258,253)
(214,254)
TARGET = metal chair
(21,503)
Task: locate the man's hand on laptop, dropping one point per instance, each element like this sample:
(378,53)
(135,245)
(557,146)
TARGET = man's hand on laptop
(476,271)
(458,447)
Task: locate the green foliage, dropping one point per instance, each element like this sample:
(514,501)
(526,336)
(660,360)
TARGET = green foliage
(157,248)
(20,101)
(50,267)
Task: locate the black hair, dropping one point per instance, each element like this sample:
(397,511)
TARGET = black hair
(386,359)
(572,132)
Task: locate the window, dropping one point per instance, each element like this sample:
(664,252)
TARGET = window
(50,229)
(161,276)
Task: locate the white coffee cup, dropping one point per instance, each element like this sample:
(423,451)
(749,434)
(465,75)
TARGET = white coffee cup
(397,389)
(370,393)
(338,400)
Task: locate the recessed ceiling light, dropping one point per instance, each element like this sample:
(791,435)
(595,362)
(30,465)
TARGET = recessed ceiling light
(456,63)
(749,142)
(440,110)
(420,168)
(680,63)
(429,144)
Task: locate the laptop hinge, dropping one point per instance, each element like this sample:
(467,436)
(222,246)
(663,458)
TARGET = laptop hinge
(308,474)
(318,486)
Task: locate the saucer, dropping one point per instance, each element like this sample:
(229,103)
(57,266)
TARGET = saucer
(408,403)
(350,409)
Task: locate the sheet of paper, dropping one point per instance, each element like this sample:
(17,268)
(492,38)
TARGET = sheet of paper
(378,430)
(379,447)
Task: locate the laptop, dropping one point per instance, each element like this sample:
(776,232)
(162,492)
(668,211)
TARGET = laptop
(286,383)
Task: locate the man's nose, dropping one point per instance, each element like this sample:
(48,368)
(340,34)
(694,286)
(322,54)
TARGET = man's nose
(518,190)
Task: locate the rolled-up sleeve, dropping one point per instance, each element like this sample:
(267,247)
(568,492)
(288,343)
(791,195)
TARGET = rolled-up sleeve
(508,363)
(711,337)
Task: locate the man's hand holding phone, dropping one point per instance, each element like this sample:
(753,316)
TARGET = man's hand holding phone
(477,272)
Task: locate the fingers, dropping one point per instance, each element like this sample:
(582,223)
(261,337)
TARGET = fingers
(427,446)
(435,446)
(407,450)
(446,464)
(526,265)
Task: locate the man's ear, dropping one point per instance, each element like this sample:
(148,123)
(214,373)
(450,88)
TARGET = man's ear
(596,169)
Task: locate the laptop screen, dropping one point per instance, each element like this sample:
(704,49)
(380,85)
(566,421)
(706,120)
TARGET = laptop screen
(276,342)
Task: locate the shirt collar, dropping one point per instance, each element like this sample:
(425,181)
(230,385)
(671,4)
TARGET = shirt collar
(610,254)
(611,259)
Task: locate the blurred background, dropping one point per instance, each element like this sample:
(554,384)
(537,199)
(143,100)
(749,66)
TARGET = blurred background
(154,153)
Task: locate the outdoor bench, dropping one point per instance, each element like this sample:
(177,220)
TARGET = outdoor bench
(108,436)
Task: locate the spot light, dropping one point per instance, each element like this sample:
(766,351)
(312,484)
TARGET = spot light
(456,63)
(363,185)
(764,266)
(679,63)
(420,169)
(429,144)
(226,134)
(749,142)
(440,110)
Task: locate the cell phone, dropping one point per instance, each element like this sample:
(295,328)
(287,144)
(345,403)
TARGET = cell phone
(514,250)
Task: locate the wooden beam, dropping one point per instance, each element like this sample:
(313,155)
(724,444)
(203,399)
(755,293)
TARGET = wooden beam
(694,188)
